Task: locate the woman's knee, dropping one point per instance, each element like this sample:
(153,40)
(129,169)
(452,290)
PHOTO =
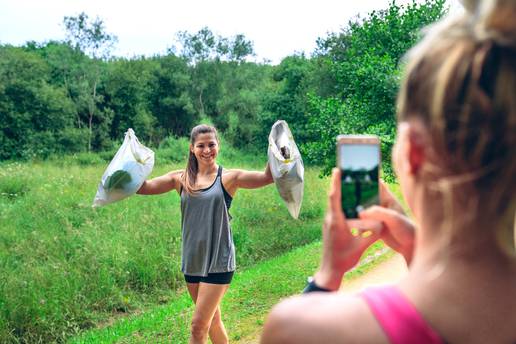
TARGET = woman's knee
(217,319)
(199,327)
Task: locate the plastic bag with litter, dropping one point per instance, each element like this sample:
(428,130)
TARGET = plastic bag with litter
(125,174)
(286,166)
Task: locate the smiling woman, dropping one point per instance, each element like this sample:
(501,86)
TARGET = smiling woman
(208,251)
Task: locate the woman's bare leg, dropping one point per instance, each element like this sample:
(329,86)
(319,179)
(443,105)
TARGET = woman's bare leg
(207,316)
(218,334)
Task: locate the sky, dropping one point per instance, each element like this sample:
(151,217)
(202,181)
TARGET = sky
(356,157)
(277,28)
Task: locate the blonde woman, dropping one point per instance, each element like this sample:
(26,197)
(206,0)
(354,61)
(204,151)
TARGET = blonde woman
(208,252)
(455,157)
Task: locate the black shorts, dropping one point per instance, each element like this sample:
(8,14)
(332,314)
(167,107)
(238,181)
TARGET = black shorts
(214,278)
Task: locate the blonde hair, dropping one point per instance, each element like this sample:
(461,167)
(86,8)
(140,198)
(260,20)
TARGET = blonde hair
(192,166)
(460,81)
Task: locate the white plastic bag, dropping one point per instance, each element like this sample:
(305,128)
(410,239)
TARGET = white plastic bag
(286,167)
(125,174)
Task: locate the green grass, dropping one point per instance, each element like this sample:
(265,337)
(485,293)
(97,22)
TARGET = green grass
(66,267)
(252,294)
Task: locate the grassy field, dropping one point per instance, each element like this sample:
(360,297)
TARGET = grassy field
(66,267)
(244,308)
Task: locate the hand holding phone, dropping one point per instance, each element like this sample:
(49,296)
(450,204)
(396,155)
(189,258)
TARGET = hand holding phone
(358,158)
(341,249)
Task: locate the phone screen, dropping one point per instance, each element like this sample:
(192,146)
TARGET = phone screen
(359,165)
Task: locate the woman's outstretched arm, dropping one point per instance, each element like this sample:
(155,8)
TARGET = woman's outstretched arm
(235,179)
(162,184)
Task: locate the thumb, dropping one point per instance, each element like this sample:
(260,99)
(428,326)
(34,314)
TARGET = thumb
(378,213)
(397,224)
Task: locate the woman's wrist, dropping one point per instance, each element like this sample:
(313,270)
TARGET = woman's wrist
(329,280)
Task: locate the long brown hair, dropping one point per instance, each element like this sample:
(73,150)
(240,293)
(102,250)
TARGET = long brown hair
(460,81)
(192,166)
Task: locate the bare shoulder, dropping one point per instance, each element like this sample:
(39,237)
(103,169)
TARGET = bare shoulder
(322,318)
(176,178)
(176,175)
(232,171)
(230,178)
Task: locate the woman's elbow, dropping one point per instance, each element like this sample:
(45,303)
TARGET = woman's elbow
(269,179)
(268,175)
(143,189)
(279,326)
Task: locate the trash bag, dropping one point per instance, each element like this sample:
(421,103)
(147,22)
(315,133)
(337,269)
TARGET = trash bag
(125,174)
(286,167)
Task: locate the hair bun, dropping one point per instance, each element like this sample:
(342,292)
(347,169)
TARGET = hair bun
(493,20)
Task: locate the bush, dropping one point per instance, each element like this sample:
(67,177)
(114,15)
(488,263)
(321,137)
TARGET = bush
(173,149)
(86,159)
(365,61)
(41,145)
(73,140)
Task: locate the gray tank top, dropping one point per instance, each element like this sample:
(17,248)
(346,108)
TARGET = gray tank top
(207,245)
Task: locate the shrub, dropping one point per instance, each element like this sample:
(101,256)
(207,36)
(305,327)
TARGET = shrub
(173,149)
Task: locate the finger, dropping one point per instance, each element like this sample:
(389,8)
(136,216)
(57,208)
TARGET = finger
(397,224)
(384,193)
(365,242)
(335,202)
(378,213)
(388,200)
(365,225)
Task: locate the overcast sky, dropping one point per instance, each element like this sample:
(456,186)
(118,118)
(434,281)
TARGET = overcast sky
(277,28)
(356,157)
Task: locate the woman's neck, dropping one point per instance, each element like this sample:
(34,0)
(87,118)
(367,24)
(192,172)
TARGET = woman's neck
(207,169)
(465,246)
(454,229)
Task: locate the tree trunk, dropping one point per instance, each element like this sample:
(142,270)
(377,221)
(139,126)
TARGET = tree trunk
(91,113)
(69,92)
(201,103)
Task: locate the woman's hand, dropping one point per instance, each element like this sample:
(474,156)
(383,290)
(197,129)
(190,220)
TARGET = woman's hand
(341,249)
(398,231)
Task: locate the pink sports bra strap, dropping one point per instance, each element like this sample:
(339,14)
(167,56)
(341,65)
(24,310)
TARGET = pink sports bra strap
(399,319)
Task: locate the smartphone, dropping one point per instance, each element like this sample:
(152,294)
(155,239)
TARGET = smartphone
(358,158)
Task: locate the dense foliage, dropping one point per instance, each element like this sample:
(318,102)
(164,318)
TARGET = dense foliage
(70,96)
(364,64)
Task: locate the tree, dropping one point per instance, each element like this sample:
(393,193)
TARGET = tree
(89,37)
(169,98)
(206,52)
(288,100)
(127,88)
(240,106)
(365,61)
(34,114)
(205,45)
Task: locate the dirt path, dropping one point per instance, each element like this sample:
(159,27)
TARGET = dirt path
(389,271)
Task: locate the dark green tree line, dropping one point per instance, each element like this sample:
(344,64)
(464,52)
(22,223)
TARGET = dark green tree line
(71,96)
(364,61)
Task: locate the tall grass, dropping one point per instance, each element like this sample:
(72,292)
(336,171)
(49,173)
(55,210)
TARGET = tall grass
(65,266)
(245,306)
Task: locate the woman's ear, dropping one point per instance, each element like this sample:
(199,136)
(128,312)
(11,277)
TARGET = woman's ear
(416,147)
